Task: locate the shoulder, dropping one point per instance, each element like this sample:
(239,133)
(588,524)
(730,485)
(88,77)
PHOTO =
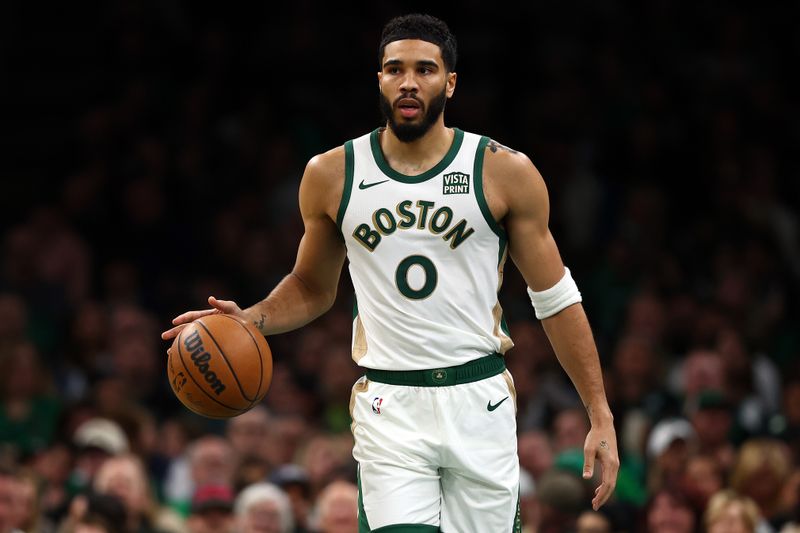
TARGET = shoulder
(323,181)
(500,160)
(326,167)
(511,177)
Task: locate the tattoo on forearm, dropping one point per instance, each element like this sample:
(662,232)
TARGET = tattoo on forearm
(260,323)
(494,146)
(603,444)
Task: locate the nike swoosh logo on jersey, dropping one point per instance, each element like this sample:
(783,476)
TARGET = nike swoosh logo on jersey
(491,407)
(363,185)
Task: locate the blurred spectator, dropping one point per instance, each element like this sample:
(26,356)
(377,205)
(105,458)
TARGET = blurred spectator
(7,501)
(702,370)
(561,498)
(339,375)
(646,317)
(293,480)
(92,523)
(729,512)
(29,409)
(337,508)
(753,381)
(246,432)
(102,511)
(28,515)
(535,452)
(592,522)
(135,353)
(208,460)
(125,478)
(570,428)
(95,440)
(702,478)
(326,458)
(212,510)
(634,369)
(263,508)
(762,468)
(668,448)
(52,468)
(87,353)
(211,460)
(711,415)
(287,435)
(670,512)
(45,253)
(550,391)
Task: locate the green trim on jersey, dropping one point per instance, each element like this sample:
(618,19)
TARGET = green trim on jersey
(501,250)
(478,186)
(348,183)
(407,528)
(377,153)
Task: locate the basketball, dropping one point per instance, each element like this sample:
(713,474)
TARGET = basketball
(219,366)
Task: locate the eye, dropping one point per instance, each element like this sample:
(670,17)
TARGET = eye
(392,70)
(425,70)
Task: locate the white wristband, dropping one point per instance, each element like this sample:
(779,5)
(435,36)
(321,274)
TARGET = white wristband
(550,301)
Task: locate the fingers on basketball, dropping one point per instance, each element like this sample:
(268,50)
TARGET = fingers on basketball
(219,366)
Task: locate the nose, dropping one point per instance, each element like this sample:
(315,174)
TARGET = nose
(409,82)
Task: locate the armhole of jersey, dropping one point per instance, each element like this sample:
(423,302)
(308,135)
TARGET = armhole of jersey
(478,173)
(348,183)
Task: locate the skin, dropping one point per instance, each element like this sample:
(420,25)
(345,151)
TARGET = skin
(518,200)
(730,521)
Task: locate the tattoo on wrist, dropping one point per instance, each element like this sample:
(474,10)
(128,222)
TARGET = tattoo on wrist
(494,146)
(603,444)
(260,323)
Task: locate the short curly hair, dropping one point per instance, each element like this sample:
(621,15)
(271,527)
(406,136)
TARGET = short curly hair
(425,28)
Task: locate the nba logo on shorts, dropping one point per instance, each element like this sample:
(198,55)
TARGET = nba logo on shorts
(376,405)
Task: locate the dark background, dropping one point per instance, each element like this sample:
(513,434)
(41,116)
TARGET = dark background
(151,154)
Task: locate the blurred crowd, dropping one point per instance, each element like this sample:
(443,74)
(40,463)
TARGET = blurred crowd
(154,155)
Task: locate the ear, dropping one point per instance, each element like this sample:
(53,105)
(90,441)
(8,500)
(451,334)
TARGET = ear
(451,84)
(380,78)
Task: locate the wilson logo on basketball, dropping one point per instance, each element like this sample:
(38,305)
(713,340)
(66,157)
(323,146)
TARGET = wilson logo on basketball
(194,345)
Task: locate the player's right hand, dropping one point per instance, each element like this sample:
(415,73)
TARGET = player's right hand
(227,307)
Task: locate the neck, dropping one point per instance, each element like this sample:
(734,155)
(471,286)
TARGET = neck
(421,154)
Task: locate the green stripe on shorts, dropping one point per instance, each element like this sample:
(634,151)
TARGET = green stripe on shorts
(363,524)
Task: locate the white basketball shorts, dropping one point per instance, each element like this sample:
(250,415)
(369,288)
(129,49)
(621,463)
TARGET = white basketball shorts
(437,458)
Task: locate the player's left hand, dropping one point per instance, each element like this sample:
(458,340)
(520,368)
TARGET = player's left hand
(601,445)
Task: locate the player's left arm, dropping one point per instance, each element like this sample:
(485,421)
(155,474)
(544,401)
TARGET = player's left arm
(517,192)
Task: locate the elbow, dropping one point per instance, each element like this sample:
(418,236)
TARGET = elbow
(327,300)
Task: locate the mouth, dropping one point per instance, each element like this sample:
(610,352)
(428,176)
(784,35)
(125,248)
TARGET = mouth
(409,107)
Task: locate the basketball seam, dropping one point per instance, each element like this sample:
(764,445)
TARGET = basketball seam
(260,359)
(222,354)
(199,386)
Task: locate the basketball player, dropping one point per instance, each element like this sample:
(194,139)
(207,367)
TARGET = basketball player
(426,215)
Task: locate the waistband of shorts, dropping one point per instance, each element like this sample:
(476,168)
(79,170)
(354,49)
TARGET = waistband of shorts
(476,370)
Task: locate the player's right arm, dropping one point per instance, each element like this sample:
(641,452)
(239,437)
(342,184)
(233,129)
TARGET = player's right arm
(309,290)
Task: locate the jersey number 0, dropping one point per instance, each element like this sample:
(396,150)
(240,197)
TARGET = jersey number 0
(401,277)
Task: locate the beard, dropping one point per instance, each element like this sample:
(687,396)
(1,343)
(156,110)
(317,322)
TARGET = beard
(410,132)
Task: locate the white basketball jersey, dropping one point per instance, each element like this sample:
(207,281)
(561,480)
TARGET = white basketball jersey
(426,259)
